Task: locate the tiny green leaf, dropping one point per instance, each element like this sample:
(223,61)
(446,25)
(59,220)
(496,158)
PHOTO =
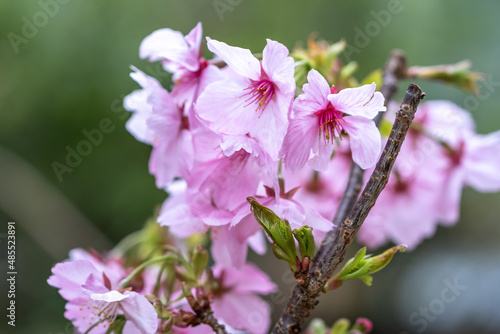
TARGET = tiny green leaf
(305,238)
(363,266)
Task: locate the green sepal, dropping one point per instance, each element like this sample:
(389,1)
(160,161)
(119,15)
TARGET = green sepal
(200,261)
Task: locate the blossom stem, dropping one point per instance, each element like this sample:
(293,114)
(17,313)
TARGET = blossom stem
(305,298)
(163,258)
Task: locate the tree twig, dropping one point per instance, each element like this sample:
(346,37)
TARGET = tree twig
(304,299)
(208,319)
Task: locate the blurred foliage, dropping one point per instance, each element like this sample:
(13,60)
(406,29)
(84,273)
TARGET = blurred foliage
(74,72)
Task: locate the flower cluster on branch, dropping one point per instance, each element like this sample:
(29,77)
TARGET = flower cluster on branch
(260,148)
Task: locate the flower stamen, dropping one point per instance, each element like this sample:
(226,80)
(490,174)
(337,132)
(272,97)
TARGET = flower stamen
(259,93)
(330,124)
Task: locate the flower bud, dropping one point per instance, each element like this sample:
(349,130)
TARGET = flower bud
(200,261)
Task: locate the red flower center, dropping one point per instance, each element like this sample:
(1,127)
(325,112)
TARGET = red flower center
(259,93)
(330,124)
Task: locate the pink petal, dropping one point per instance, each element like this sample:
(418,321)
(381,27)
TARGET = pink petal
(278,66)
(365,140)
(168,44)
(258,243)
(69,277)
(172,159)
(298,142)
(314,98)
(243,311)
(176,213)
(482,162)
(240,60)
(248,278)
(221,107)
(360,101)
(95,284)
(233,143)
(229,246)
(270,128)
(194,37)
(140,311)
(445,120)
(448,203)
(322,158)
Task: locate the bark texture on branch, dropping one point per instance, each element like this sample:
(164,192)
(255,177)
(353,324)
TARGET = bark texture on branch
(304,299)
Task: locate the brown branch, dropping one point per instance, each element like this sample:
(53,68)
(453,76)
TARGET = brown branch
(395,69)
(304,299)
(208,319)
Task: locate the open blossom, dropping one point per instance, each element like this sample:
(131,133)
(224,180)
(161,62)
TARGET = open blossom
(256,100)
(320,115)
(182,56)
(440,156)
(94,298)
(157,120)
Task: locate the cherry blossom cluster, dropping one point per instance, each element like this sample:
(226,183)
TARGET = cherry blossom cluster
(283,129)
(220,134)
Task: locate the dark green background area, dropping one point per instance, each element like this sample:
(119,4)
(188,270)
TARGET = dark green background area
(73,73)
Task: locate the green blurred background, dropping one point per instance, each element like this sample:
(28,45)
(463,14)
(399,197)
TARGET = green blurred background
(71,71)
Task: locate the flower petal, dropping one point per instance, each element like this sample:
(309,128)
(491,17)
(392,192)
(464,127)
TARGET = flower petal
(240,60)
(69,277)
(315,96)
(278,66)
(243,311)
(222,109)
(365,139)
(248,279)
(299,141)
(482,162)
(360,101)
(140,311)
(168,44)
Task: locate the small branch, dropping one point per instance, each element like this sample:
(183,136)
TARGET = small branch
(304,299)
(208,319)
(394,70)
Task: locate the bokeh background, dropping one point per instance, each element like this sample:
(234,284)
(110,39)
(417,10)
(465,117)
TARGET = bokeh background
(70,71)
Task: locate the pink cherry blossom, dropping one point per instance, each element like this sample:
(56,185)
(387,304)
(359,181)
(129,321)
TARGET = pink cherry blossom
(181,56)
(256,100)
(474,162)
(321,115)
(404,213)
(158,121)
(93,298)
